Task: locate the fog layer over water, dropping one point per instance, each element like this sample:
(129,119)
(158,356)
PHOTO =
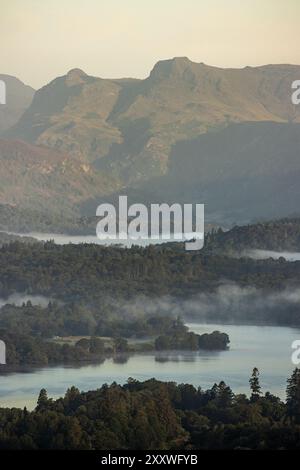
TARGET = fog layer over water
(229,303)
(265,254)
(62,239)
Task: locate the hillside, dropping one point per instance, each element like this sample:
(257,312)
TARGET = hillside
(245,171)
(45,179)
(18,98)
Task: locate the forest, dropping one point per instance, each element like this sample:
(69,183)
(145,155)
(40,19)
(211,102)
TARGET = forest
(157,415)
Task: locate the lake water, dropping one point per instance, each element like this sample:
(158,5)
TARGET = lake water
(265,347)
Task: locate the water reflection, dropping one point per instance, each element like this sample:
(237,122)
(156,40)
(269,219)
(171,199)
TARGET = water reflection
(183,356)
(121,358)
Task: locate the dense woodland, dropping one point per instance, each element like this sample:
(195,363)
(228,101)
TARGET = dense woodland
(157,415)
(112,285)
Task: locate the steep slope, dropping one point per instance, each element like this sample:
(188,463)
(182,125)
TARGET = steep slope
(71,114)
(36,177)
(18,98)
(245,171)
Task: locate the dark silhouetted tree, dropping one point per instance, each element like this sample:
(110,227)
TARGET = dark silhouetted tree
(254,384)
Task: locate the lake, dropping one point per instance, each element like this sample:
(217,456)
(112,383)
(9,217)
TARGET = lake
(268,348)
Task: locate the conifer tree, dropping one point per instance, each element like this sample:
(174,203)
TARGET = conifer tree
(254,384)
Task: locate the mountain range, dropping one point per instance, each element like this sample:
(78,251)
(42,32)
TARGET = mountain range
(187,133)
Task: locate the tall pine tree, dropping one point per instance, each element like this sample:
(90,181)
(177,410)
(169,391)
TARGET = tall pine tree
(293,395)
(254,384)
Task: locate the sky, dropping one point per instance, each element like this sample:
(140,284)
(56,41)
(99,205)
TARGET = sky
(43,39)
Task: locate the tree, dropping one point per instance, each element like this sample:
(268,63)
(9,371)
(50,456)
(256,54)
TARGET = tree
(43,400)
(224,394)
(254,384)
(293,395)
(96,345)
(83,343)
(121,345)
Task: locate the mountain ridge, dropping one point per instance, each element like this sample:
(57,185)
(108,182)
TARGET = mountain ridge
(18,98)
(126,131)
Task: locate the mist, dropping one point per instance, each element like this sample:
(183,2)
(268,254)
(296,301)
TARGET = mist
(19,299)
(229,303)
(265,254)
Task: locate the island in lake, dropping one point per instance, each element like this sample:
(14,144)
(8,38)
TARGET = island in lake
(25,349)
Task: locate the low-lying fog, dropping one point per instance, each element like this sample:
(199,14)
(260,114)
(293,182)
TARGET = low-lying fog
(19,299)
(229,303)
(265,254)
(62,239)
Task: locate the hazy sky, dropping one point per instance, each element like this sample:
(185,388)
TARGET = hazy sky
(41,39)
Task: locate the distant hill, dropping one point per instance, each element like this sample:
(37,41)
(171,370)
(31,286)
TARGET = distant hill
(245,171)
(18,98)
(277,235)
(9,238)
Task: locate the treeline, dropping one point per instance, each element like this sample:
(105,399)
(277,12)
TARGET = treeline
(177,337)
(25,350)
(157,415)
(83,320)
(278,235)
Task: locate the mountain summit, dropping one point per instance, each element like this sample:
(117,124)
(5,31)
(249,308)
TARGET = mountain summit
(76,77)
